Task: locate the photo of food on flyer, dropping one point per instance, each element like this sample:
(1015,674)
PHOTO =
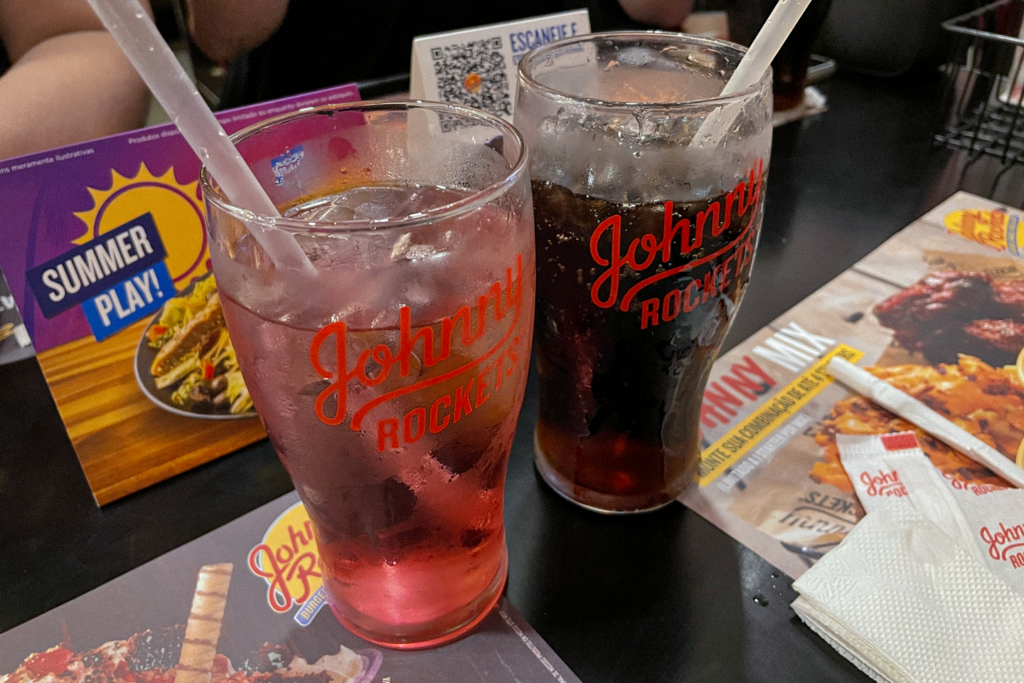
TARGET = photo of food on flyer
(118,298)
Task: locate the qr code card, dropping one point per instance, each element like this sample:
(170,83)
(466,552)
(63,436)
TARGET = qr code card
(477,67)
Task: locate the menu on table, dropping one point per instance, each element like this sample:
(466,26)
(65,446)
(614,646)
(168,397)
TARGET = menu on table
(260,573)
(105,250)
(937,310)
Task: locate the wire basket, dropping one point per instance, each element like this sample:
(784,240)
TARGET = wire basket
(985,83)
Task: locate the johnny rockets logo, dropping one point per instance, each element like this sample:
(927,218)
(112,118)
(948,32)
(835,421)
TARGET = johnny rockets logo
(957,481)
(993,229)
(883,484)
(484,372)
(1005,543)
(649,252)
(287,560)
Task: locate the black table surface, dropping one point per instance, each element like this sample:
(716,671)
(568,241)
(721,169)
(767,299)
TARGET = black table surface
(663,596)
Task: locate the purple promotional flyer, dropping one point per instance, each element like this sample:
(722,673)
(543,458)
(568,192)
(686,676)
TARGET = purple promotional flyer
(58,199)
(105,253)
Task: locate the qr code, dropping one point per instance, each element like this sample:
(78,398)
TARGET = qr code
(473,74)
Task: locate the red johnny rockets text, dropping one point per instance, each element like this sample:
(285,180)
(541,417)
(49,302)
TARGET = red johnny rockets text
(723,265)
(479,378)
(296,559)
(958,483)
(883,484)
(1005,543)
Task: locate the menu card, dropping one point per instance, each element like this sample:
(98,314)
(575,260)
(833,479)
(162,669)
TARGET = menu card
(105,251)
(938,311)
(261,573)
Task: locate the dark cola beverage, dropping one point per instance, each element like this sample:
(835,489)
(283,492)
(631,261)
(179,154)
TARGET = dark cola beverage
(647,189)
(633,303)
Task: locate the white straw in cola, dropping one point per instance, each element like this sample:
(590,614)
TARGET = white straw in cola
(133,30)
(758,59)
(912,410)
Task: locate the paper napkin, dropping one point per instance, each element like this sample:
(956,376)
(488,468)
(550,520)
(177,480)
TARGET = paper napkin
(902,600)
(929,586)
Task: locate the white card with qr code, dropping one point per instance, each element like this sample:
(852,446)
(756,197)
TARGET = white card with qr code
(477,67)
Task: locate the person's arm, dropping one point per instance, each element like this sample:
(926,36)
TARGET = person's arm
(69,81)
(223,29)
(668,14)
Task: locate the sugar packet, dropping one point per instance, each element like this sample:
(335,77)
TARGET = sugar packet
(994,525)
(874,462)
(987,523)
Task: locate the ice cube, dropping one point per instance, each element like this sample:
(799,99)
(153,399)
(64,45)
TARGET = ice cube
(407,249)
(395,546)
(471,538)
(636,56)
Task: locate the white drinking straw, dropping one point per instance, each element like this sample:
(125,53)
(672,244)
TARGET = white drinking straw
(133,30)
(751,68)
(916,412)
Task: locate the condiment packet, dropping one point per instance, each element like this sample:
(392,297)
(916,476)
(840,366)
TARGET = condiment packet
(873,464)
(995,525)
(985,523)
(878,464)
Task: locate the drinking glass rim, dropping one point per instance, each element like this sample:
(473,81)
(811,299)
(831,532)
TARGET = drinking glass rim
(432,215)
(539,52)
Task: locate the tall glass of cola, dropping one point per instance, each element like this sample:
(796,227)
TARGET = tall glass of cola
(647,222)
(390,375)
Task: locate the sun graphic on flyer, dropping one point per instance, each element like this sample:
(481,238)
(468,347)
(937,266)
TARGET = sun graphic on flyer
(176,208)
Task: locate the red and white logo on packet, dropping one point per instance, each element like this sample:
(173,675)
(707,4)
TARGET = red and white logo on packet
(873,464)
(1005,542)
(987,522)
(877,464)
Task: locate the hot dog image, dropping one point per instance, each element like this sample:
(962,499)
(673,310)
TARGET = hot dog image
(194,356)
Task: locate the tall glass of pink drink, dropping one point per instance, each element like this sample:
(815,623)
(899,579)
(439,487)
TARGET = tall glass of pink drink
(389,380)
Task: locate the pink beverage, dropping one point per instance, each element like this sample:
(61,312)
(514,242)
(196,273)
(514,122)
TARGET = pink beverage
(390,386)
(406,495)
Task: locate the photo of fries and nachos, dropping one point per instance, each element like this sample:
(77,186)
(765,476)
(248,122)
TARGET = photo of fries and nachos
(956,334)
(985,401)
(185,362)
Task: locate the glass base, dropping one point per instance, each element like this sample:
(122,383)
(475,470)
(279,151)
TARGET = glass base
(596,501)
(438,632)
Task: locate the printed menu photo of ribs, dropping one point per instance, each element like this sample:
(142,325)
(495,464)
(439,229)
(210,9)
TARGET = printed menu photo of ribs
(952,312)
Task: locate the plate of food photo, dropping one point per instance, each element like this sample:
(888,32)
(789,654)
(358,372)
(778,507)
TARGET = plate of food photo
(185,362)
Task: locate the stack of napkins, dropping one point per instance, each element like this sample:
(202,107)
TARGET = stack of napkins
(911,595)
